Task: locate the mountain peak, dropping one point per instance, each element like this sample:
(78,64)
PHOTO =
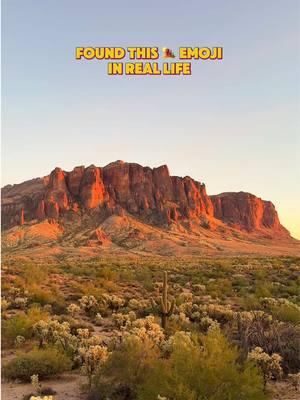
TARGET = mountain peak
(150,195)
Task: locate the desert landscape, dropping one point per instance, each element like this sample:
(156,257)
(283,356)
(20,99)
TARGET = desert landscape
(123,282)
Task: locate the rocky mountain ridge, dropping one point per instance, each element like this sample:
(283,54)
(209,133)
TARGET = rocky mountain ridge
(150,195)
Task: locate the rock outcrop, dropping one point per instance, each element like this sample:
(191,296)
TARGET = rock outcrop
(151,195)
(245,211)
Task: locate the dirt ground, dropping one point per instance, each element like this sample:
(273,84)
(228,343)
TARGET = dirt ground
(284,391)
(67,387)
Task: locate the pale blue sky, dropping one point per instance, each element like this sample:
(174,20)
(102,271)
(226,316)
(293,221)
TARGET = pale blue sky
(233,124)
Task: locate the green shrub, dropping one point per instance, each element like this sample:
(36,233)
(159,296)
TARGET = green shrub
(286,313)
(17,326)
(219,288)
(33,273)
(21,324)
(44,296)
(125,369)
(44,363)
(204,369)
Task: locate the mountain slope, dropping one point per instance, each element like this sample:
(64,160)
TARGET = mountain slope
(134,208)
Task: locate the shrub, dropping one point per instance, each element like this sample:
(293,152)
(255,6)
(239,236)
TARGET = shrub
(287,313)
(17,326)
(44,363)
(204,368)
(44,297)
(125,369)
(34,274)
(21,324)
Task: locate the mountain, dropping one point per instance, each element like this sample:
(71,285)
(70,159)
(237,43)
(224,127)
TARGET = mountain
(128,207)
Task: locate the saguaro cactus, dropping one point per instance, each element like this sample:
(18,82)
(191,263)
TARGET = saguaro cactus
(164,308)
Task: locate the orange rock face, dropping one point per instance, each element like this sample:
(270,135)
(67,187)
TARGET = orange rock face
(92,189)
(22,219)
(245,211)
(151,195)
(40,211)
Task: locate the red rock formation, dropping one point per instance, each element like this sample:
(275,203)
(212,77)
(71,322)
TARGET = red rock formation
(100,236)
(57,193)
(22,217)
(74,180)
(149,194)
(245,211)
(40,211)
(92,189)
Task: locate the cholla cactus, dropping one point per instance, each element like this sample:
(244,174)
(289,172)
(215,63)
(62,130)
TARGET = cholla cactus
(186,296)
(219,312)
(89,304)
(180,318)
(134,304)
(73,309)
(36,384)
(48,308)
(41,398)
(188,308)
(115,302)
(141,306)
(93,340)
(145,329)
(54,332)
(181,338)
(269,365)
(41,331)
(93,359)
(98,319)
(165,309)
(19,340)
(269,302)
(207,324)
(20,302)
(4,304)
(123,320)
(15,292)
(83,333)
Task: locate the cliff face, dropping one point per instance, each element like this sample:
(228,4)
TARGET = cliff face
(118,188)
(245,211)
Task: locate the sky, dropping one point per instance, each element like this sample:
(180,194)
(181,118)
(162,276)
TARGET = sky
(233,124)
